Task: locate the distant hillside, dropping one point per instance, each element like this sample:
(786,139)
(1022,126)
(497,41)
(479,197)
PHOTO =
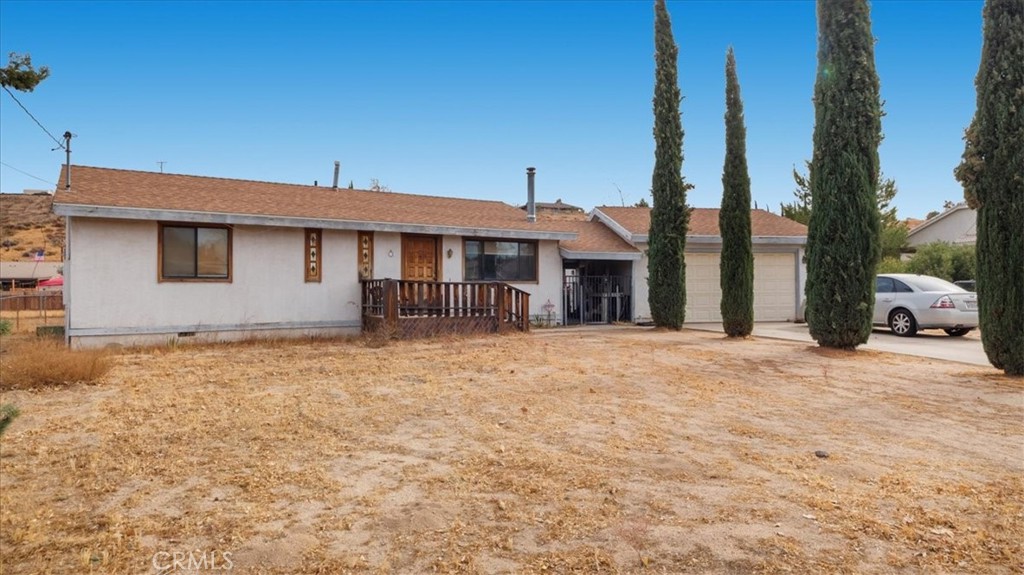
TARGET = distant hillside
(28,225)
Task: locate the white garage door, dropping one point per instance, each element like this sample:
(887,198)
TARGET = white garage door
(774,287)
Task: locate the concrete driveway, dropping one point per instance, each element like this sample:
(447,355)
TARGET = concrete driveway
(933,344)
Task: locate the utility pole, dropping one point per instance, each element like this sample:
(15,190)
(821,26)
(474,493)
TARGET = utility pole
(161,166)
(67,150)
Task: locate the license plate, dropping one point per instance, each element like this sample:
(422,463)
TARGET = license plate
(972,305)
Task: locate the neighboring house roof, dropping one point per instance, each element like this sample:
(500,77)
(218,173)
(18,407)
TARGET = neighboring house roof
(556,205)
(956,225)
(596,241)
(913,223)
(633,224)
(104,192)
(557,211)
(28,270)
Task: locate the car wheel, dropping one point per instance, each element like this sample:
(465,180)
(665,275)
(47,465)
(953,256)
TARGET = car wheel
(902,323)
(957,332)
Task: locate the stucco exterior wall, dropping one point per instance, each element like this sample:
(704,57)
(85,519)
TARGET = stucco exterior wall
(387,255)
(548,286)
(641,308)
(957,227)
(452,267)
(114,292)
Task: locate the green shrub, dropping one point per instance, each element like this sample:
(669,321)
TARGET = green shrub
(891,266)
(943,260)
(7,414)
(5,327)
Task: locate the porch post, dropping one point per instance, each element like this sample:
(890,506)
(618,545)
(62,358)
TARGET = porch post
(502,313)
(524,310)
(391,304)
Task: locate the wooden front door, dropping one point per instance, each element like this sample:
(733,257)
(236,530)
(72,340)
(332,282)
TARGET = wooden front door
(419,258)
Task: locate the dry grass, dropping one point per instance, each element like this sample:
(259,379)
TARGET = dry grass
(37,362)
(569,452)
(26,322)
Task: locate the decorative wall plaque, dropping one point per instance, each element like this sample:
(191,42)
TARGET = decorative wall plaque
(314,254)
(365,255)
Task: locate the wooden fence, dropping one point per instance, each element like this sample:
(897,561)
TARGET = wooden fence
(32,301)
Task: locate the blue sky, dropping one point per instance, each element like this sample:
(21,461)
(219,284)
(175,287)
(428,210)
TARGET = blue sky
(458,98)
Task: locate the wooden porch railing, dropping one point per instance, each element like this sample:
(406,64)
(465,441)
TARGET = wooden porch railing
(410,309)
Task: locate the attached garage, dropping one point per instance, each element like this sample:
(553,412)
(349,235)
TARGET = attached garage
(775,286)
(779,273)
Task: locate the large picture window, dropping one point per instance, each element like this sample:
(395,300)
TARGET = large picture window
(195,253)
(500,261)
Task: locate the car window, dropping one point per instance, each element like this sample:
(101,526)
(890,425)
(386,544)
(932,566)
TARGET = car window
(928,283)
(884,285)
(902,287)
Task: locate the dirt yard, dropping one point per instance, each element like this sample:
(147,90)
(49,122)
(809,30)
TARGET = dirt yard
(594,451)
(26,322)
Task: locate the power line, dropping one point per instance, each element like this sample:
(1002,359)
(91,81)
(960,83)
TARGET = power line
(28,174)
(59,144)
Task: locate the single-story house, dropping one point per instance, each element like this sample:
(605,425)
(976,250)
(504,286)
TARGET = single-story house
(26,274)
(957,225)
(152,257)
(779,271)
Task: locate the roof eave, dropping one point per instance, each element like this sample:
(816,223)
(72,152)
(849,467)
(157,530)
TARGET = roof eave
(758,240)
(79,210)
(935,219)
(616,227)
(585,255)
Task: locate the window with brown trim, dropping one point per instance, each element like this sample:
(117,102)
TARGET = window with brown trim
(194,253)
(314,254)
(500,260)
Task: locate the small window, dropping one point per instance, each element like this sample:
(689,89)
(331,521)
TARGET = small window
(500,260)
(314,255)
(902,287)
(195,253)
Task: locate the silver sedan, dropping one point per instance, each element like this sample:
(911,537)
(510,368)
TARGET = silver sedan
(908,302)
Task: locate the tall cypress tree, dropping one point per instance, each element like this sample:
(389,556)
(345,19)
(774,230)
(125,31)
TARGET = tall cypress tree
(842,236)
(669,215)
(737,263)
(992,173)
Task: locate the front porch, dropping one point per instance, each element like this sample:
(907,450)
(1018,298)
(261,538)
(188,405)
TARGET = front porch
(409,309)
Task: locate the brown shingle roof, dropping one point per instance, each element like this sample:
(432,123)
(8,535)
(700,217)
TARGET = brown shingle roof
(704,222)
(595,237)
(111,188)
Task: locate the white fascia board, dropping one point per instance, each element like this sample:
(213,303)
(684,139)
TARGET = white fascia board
(757,240)
(77,210)
(703,239)
(935,219)
(574,255)
(788,240)
(617,227)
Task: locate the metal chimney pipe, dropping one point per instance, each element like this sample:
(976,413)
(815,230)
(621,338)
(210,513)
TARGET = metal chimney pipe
(337,170)
(531,204)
